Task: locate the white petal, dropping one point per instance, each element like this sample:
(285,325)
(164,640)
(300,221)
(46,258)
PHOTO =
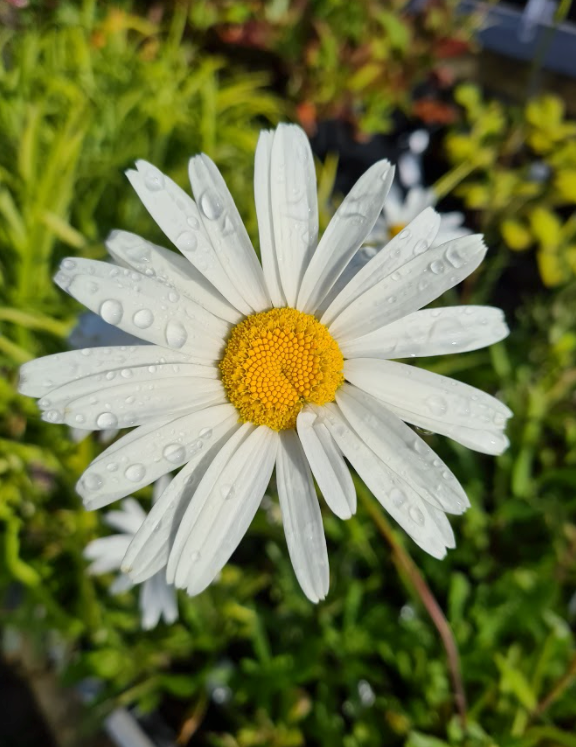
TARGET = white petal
(144,307)
(223,224)
(172,269)
(151,546)
(412,286)
(434,402)
(262,198)
(128,519)
(398,498)
(157,600)
(327,465)
(147,453)
(403,452)
(400,250)
(346,232)
(301,517)
(42,375)
(121,584)
(87,402)
(178,216)
(106,552)
(221,511)
(455,329)
(294,204)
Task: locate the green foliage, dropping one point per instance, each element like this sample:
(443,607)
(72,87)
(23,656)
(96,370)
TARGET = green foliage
(517,167)
(356,60)
(80,100)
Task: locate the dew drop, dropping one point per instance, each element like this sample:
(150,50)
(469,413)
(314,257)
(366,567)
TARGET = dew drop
(405,234)
(195,447)
(454,257)
(112,466)
(211,204)
(206,433)
(176,335)
(397,497)
(151,369)
(143,318)
(174,453)
(192,222)
(422,285)
(106,420)
(53,416)
(416,515)
(68,264)
(437,267)
(194,557)
(111,311)
(154,180)
(396,275)
(187,242)
(126,373)
(92,481)
(227,492)
(420,247)
(130,400)
(391,299)
(437,405)
(173,296)
(135,472)
(110,375)
(80,418)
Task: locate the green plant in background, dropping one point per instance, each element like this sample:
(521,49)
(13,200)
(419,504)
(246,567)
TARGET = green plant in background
(518,168)
(359,61)
(251,662)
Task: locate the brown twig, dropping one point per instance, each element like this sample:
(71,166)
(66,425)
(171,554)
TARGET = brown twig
(564,682)
(404,562)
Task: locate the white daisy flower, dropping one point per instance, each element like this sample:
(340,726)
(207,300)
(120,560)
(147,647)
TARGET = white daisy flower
(253,366)
(399,211)
(157,598)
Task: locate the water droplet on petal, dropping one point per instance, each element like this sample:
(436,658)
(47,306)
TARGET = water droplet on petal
(416,515)
(420,247)
(194,557)
(112,466)
(192,222)
(227,492)
(405,234)
(176,335)
(187,241)
(437,405)
(106,420)
(454,257)
(174,453)
(135,472)
(143,318)
(437,267)
(206,433)
(126,373)
(173,296)
(68,264)
(154,180)
(211,204)
(80,418)
(92,481)
(111,311)
(397,497)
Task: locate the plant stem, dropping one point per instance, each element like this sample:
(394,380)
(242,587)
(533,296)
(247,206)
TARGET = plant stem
(405,563)
(563,683)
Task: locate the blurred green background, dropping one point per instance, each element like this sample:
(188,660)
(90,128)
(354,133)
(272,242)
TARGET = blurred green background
(85,90)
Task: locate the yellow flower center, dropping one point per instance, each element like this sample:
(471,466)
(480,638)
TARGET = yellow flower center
(275,362)
(395,229)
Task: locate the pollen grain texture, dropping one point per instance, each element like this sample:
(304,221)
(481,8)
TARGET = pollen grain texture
(277,361)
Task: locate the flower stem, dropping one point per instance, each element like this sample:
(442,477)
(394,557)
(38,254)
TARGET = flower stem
(405,563)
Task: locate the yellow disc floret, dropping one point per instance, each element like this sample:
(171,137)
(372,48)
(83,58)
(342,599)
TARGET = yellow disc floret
(275,362)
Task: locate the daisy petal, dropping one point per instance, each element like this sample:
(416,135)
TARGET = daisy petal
(434,402)
(294,206)
(399,251)
(144,455)
(128,519)
(157,600)
(178,216)
(223,224)
(172,269)
(106,553)
(120,585)
(455,329)
(412,286)
(327,465)
(399,499)
(150,548)
(346,232)
(301,518)
(403,452)
(222,509)
(87,404)
(40,376)
(262,198)
(144,307)
(101,389)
